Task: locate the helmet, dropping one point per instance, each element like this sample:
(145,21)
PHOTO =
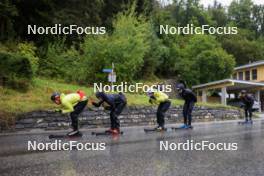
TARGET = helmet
(243,92)
(150,91)
(99,94)
(54,95)
(180,86)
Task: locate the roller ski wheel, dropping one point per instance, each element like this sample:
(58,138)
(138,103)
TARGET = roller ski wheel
(149,130)
(65,136)
(106,133)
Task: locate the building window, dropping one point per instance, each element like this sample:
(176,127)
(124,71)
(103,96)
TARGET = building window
(240,76)
(254,74)
(247,75)
(235,76)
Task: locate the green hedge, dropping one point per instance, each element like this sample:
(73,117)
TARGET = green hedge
(15,71)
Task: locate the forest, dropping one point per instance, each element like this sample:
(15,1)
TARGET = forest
(132,40)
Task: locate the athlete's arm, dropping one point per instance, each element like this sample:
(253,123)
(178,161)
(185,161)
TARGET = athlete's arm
(97,104)
(67,107)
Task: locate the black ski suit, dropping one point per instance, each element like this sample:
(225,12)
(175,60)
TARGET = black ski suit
(117,103)
(248,102)
(190,99)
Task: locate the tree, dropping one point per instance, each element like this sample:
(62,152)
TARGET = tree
(126,47)
(189,12)
(258,19)
(7,12)
(214,65)
(218,14)
(192,63)
(240,13)
(243,49)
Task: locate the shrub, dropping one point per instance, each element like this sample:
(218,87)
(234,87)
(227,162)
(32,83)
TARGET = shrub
(29,50)
(15,71)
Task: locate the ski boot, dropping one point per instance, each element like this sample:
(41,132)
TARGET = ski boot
(115,131)
(246,122)
(250,122)
(160,128)
(184,126)
(189,126)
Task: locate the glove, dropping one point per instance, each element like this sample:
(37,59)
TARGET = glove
(152,97)
(242,105)
(58,110)
(95,104)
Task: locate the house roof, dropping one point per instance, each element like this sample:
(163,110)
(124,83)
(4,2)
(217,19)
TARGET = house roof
(253,64)
(235,84)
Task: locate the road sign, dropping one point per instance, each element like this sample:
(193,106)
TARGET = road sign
(107,70)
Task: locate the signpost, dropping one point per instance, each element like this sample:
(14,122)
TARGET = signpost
(112,77)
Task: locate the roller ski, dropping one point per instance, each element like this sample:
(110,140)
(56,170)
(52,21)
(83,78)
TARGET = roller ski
(73,134)
(183,127)
(157,129)
(108,132)
(246,122)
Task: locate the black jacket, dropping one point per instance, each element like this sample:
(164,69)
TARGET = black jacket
(247,100)
(188,96)
(110,99)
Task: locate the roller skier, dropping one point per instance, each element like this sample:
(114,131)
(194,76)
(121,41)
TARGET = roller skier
(189,101)
(115,103)
(247,103)
(73,103)
(162,100)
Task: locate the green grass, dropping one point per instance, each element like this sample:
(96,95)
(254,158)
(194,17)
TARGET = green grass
(38,97)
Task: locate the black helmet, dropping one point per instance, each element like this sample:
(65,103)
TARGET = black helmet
(54,95)
(99,94)
(180,86)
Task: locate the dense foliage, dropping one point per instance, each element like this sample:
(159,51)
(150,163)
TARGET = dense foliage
(16,71)
(132,40)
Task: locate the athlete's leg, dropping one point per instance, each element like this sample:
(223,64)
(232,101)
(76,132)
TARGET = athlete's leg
(112,117)
(246,113)
(250,112)
(190,109)
(185,112)
(74,115)
(160,121)
(118,111)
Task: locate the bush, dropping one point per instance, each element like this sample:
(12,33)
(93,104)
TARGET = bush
(15,71)
(29,50)
(61,62)
(50,64)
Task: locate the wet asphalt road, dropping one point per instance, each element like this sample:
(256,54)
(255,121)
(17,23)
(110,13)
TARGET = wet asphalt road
(136,153)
